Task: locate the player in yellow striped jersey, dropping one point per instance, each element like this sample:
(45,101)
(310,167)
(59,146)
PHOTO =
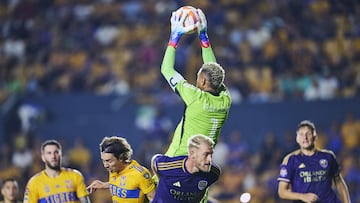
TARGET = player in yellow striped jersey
(55,184)
(129,182)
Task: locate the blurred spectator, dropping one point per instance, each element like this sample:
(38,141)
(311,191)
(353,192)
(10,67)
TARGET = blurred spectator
(350,130)
(269,153)
(238,150)
(221,153)
(22,156)
(79,155)
(335,142)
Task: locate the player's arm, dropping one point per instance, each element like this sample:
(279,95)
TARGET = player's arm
(30,194)
(342,189)
(207,52)
(285,192)
(97,184)
(151,195)
(167,66)
(154,164)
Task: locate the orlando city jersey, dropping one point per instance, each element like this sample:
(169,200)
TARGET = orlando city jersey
(205,113)
(311,174)
(131,184)
(68,187)
(177,185)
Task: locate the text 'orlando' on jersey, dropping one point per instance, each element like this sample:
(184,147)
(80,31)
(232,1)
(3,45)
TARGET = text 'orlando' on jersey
(177,185)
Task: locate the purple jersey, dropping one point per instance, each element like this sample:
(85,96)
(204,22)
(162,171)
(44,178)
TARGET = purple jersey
(177,185)
(311,174)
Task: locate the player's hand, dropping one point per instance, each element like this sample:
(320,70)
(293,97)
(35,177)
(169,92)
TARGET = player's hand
(310,198)
(202,29)
(202,26)
(97,184)
(177,23)
(177,28)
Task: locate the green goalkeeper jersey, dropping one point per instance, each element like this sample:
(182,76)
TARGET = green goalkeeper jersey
(205,113)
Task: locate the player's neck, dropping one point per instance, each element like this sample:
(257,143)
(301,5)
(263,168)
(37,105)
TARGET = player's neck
(52,173)
(210,90)
(190,166)
(308,152)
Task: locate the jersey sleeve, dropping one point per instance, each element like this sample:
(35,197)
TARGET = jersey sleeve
(286,169)
(216,172)
(146,183)
(80,184)
(30,194)
(335,167)
(168,70)
(188,92)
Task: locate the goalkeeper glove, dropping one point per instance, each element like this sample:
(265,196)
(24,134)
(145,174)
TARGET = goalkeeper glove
(177,28)
(202,30)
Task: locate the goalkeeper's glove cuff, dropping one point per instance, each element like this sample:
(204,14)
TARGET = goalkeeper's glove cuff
(204,40)
(174,39)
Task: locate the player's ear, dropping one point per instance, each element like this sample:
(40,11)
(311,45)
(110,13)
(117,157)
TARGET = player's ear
(42,158)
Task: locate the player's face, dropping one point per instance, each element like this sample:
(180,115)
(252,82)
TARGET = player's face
(305,138)
(52,157)
(10,190)
(111,163)
(204,157)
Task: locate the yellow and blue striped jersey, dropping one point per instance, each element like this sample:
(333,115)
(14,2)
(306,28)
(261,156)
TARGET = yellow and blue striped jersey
(131,184)
(68,187)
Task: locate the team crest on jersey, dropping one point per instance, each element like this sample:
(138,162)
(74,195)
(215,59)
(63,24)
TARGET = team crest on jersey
(202,184)
(146,175)
(68,184)
(283,172)
(323,163)
(47,188)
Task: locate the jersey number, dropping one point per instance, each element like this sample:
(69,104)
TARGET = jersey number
(215,123)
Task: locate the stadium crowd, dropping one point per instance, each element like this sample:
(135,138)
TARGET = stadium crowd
(272,51)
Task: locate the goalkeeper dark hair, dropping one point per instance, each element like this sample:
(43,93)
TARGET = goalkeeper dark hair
(117,146)
(214,73)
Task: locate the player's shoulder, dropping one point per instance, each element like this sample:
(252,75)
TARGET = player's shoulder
(36,177)
(327,152)
(71,171)
(215,169)
(166,163)
(291,155)
(137,167)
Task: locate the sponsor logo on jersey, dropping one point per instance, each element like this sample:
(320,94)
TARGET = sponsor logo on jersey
(283,172)
(177,184)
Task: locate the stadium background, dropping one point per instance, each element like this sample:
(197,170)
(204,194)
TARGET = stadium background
(78,70)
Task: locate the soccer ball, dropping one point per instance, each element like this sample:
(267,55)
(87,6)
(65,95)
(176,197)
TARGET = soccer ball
(191,19)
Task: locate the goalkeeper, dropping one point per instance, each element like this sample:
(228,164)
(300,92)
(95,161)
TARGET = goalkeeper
(207,104)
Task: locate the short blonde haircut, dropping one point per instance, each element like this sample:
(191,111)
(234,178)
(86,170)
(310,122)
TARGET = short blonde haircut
(196,140)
